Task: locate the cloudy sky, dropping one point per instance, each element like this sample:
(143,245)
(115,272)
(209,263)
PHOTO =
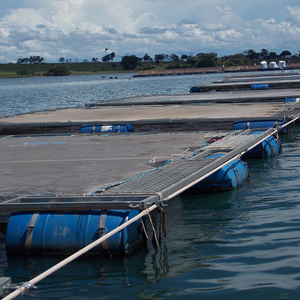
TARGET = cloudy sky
(82,29)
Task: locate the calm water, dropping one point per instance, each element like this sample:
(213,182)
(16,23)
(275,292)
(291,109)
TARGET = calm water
(242,244)
(31,94)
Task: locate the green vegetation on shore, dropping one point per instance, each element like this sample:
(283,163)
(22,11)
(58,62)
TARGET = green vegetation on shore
(132,63)
(29,70)
(26,70)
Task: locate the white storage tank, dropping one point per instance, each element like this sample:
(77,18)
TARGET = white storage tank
(263,65)
(273,65)
(282,64)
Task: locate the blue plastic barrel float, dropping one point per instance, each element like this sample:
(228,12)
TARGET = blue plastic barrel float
(259,124)
(259,86)
(268,148)
(106,128)
(195,89)
(68,232)
(263,124)
(297,100)
(229,177)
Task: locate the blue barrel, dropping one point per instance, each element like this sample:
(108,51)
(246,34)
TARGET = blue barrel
(63,232)
(259,86)
(90,128)
(126,128)
(229,177)
(264,124)
(268,148)
(195,89)
(106,128)
(91,105)
(286,100)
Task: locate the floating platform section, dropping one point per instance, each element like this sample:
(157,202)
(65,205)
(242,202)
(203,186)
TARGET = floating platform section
(84,176)
(68,232)
(96,183)
(260,76)
(66,190)
(251,84)
(84,172)
(64,224)
(215,111)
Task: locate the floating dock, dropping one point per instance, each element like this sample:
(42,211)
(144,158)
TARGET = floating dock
(269,76)
(74,185)
(128,167)
(50,162)
(251,82)
(45,153)
(164,113)
(66,191)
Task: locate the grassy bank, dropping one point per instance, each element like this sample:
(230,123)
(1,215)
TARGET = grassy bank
(15,70)
(28,70)
(7,74)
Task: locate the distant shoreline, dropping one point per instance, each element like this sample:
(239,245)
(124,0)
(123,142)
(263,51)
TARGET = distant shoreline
(37,70)
(209,70)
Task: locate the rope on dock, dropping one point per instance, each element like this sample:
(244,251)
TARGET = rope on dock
(24,288)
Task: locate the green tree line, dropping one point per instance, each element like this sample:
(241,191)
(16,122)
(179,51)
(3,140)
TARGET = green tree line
(159,61)
(248,57)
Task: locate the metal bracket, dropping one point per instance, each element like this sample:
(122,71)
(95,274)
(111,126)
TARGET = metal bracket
(101,232)
(26,285)
(29,232)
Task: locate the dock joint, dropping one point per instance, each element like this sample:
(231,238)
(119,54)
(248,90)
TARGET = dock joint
(26,286)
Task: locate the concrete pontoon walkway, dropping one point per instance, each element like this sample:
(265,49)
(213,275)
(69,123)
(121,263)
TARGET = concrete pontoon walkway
(159,112)
(205,97)
(187,115)
(152,167)
(279,75)
(203,107)
(81,164)
(284,83)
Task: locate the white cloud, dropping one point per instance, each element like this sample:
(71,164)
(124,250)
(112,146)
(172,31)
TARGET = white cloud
(56,28)
(148,19)
(229,35)
(214,26)
(23,16)
(293,15)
